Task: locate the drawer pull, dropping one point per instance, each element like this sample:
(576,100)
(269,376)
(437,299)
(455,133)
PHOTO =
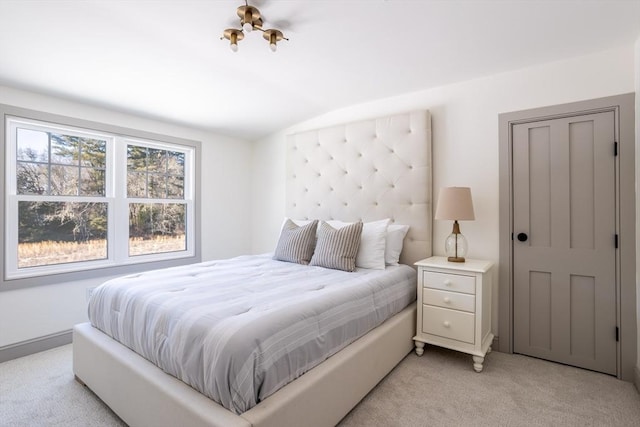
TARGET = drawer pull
(447,300)
(447,282)
(446,324)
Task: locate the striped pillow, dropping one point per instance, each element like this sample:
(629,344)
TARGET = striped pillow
(296,243)
(337,249)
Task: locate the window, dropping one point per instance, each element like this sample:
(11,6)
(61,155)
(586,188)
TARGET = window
(155,176)
(79,199)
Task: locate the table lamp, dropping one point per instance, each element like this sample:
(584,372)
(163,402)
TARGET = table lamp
(454,203)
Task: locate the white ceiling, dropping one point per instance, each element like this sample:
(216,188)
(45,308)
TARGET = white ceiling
(163,59)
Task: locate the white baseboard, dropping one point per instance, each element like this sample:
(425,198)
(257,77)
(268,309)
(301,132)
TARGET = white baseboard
(36,345)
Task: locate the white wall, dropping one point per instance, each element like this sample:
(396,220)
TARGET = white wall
(35,312)
(465,138)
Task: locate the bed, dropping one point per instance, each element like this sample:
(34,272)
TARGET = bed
(366,171)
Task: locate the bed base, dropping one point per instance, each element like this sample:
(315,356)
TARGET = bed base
(143,395)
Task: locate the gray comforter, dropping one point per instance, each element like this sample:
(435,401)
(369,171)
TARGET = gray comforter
(237,330)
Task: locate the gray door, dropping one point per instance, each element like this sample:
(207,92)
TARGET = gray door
(564,204)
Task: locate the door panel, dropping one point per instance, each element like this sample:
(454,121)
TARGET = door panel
(564,273)
(540,307)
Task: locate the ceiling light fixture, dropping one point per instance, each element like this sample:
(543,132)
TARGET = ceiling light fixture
(251,19)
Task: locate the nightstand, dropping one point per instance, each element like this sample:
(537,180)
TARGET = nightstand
(454,306)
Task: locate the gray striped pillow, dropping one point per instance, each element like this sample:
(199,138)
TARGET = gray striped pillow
(296,243)
(337,249)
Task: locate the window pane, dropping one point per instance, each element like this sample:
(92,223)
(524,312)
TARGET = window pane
(92,182)
(65,149)
(32,178)
(164,173)
(157,186)
(62,176)
(157,160)
(136,184)
(94,153)
(136,158)
(175,162)
(156,228)
(175,187)
(57,233)
(64,180)
(32,145)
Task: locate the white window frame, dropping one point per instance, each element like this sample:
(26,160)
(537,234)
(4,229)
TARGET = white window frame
(115,197)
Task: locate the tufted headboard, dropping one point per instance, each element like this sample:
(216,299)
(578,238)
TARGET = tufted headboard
(367,170)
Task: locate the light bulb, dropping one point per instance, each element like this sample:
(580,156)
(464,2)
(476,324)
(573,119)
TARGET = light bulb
(234,47)
(273,47)
(247,26)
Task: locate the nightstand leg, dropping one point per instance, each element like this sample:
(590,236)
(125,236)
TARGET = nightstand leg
(477,363)
(419,348)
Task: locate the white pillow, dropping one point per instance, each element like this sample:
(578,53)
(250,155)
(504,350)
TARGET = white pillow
(371,253)
(395,241)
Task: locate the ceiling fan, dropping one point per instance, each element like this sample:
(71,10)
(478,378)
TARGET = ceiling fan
(251,19)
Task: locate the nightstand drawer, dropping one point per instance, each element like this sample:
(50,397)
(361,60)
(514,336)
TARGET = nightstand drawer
(449,282)
(456,325)
(453,300)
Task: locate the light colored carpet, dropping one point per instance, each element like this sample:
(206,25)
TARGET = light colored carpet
(437,389)
(41,390)
(442,389)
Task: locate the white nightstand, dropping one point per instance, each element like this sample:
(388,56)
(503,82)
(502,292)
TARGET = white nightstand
(454,306)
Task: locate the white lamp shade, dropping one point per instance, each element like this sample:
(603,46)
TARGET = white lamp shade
(455,203)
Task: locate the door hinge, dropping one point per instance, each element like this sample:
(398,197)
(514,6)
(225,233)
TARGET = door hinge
(615,148)
(617,334)
(616,241)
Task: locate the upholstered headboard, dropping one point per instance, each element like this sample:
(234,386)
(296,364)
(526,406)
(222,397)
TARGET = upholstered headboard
(367,170)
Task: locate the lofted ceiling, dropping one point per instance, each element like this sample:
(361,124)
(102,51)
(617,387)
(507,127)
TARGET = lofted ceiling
(164,59)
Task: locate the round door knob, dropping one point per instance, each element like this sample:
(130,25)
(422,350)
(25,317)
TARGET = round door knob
(522,237)
(447,300)
(446,324)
